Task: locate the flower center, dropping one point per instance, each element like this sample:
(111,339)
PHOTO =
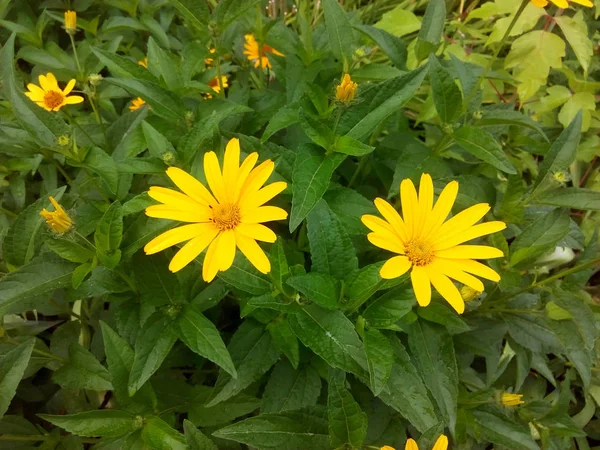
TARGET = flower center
(418,252)
(226,216)
(52,99)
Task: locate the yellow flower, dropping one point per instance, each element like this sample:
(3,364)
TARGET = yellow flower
(71,22)
(562,3)
(468,293)
(346,90)
(229,217)
(258,57)
(214,84)
(49,96)
(440,444)
(144,63)
(209,61)
(136,103)
(430,245)
(63,140)
(509,399)
(58,219)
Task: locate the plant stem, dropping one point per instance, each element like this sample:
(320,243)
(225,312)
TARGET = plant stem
(58,167)
(92,99)
(359,168)
(80,72)
(74,122)
(7,212)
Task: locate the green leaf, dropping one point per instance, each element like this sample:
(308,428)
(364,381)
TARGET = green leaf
(120,66)
(581,313)
(394,47)
(285,117)
(574,347)
(202,337)
(167,67)
(350,146)
(223,413)
(292,430)
(571,197)
(290,389)
(399,21)
(532,333)
(539,237)
(156,284)
(228,10)
(380,359)
(431,30)
(157,144)
(101,423)
(316,130)
(363,284)
(280,270)
(196,12)
(331,336)
(482,145)
(195,439)
(493,117)
(331,249)
(495,427)
(442,315)
(311,176)
(70,250)
(446,94)
(83,371)
(576,32)
(108,235)
(159,435)
(285,340)
(347,422)
(12,368)
(23,238)
(561,154)
(102,164)
(339,30)
(320,288)
(153,344)
(389,308)
(244,276)
(142,165)
(349,206)
(433,351)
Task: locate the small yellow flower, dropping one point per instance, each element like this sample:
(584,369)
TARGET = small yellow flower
(562,3)
(256,55)
(144,63)
(71,22)
(209,61)
(214,84)
(58,220)
(509,399)
(229,217)
(136,103)
(346,90)
(440,444)
(49,96)
(468,293)
(63,140)
(431,245)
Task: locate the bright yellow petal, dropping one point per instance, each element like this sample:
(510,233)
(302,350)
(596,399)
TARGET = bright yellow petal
(447,267)
(231,163)
(175,236)
(190,186)
(473,232)
(408,198)
(245,169)
(69,87)
(261,197)
(561,3)
(392,216)
(476,268)
(470,252)
(214,177)
(377,225)
(73,100)
(35,89)
(461,221)
(442,208)
(540,3)
(587,3)
(210,266)
(48,82)
(253,252)
(168,212)
(193,248)
(176,199)
(395,267)
(441,443)
(425,200)
(256,231)
(226,250)
(256,179)
(36,97)
(411,445)
(421,285)
(264,214)
(446,288)
(387,242)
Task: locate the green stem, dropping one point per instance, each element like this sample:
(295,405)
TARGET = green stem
(441,145)
(80,72)
(58,167)
(7,212)
(36,351)
(359,168)
(338,116)
(92,99)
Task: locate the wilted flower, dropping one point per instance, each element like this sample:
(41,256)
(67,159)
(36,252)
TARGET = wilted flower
(258,57)
(58,220)
(49,96)
(346,90)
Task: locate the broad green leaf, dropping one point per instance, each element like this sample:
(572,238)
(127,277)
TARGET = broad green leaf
(493,117)
(316,130)
(433,351)
(399,21)
(227,11)
(362,284)
(157,144)
(292,430)
(349,206)
(320,288)
(291,389)
(576,31)
(347,422)
(581,313)
(311,176)
(102,423)
(512,208)
(331,336)
(285,340)
(202,337)
(574,347)
(442,315)
(580,101)
(380,359)
(103,165)
(286,116)
(280,270)
(446,94)
(159,435)
(350,146)
(12,368)
(83,371)
(142,165)
(539,237)
(122,131)
(108,236)
(120,66)
(223,413)
(532,333)
(571,197)
(389,308)
(482,145)
(339,30)
(157,286)
(393,46)
(195,12)
(23,238)
(153,344)
(496,427)
(195,439)
(331,249)
(244,276)
(431,30)
(70,250)
(167,67)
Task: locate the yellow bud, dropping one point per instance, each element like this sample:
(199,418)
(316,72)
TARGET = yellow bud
(63,141)
(58,220)
(95,79)
(346,90)
(509,399)
(71,22)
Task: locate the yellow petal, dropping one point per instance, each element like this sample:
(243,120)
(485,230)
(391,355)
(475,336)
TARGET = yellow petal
(408,198)
(48,82)
(190,186)
(441,443)
(192,249)
(69,87)
(175,236)
(392,216)
(461,221)
(253,252)
(244,171)
(387,242)
(231,163)
(39,99)
(210,266)
(442,208)
(73,100)
(425,200)
(377,225)
(264,214)
(470,252)
(226,250)
(587,3)
(446,288)
(421,285)
(256,179)
(256,231)
(540,3)
(262,196)
(476,268)
(168,212)
(470,233)
(175,199)
(212,171)
(395,267)
(35,89)
(447,267)
(561,3)
(411,445)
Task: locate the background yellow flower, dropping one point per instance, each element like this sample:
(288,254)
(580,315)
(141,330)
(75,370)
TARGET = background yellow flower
(51,97)
(136,103)
(251,50)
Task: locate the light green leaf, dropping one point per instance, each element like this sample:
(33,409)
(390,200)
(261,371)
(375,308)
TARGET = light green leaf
(399,21)
(482,145)
(394,47)
(167,67)
(339,29)
(431,30)
(159,435)
(12,368)
(493,117)
(70,250)
(83,371)
(320,288)
(350,146)
(380,359)
(576,31)
(347,422)
(446,94)
(584,101)
(290,389)
(101,423)
(108,236)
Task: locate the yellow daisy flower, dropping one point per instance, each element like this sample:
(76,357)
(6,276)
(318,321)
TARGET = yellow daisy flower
(509,399)
(432,246)
(440,444)
(58,220)
(144,63)
(71,22)
(346,90)
(562,3)
(136,103)
(214,84)
(49,96)
(229,217)
(253,53)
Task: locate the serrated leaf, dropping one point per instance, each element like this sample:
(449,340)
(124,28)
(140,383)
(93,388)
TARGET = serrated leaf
(320,288)
(285,340)
(339,30)
(431,30)
(244,276)
(380,359)
(108,235)
(159,435)
(70,250)
(499,429)
(195,439)
(482,145)
(168,68)
(389,308)
(12,368)
(576,31)
(316,130)
(194,11)
(101,423)
(223,413)
(532,333)
(83,371)
(347,422)
(290,389)
(228,10)
(446,94)
(571,197)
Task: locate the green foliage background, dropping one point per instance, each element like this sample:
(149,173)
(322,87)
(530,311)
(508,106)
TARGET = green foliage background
(102,347)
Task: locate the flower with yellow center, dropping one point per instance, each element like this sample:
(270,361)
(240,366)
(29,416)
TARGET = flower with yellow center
(346,90)
(562,3)
(433,247)
(258,55)
(136,103)
(509,399)
(209,61)
(214,84)
(58,220)
(71,22)
(440,444)
(229,217)
(49,96)
(144,63)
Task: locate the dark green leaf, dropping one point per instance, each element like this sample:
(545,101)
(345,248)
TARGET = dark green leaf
(120,66)
(350,146)
(347,422)
(482,145)
(159,435)
(290,389)
(70,250)
(431,30)
(108,235)
(245,277)
(228,10)
(499,429)
(389,308)
(446,94)
(285,340)
(532,333)
(380,359)
(316,130)
(104,423)
(83,371)
(320,288)
(12,368)
(226,411)
(494,117)
(571,197)
(339,30)
(195,439)
(393,46)
(442,315)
